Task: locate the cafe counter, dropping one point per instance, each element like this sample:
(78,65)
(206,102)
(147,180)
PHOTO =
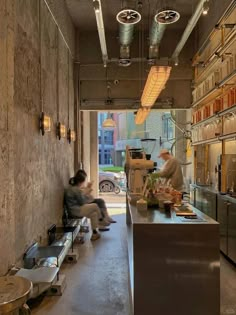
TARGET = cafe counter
(174,262)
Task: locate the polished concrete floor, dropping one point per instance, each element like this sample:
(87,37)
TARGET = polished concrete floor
(98,283)
(227,287)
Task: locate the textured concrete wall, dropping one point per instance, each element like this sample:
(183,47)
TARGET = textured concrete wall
(35,174)
(7,218)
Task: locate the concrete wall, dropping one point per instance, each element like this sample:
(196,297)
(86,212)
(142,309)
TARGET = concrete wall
(33,168)
(7,218)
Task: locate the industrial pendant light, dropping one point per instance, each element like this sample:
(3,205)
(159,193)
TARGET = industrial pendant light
(109,123)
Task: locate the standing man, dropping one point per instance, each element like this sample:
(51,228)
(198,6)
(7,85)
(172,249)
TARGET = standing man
(171,170)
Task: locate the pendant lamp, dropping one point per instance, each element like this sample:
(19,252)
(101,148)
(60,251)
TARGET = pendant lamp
(109,123)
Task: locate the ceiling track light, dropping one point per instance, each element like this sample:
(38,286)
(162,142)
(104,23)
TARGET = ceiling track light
(96,6)
(176,61)
(205,8)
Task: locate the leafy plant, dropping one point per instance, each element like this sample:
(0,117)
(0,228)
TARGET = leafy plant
(152,179)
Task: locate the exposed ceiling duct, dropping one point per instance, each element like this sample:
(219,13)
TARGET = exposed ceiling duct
(101,31)
(161,20)
(188,30)
(127,18)
(155,36)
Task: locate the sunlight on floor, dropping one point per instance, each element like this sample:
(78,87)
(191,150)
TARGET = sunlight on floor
(116,211)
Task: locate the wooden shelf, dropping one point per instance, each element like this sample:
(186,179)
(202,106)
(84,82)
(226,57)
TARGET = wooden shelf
(208,141)
(216,91)
(206,120)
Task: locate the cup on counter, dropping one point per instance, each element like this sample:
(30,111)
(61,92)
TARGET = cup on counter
(167,206)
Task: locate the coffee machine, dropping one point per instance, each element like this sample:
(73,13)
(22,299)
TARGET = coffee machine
(137,167)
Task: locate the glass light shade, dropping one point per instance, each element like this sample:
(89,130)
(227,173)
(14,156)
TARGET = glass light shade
(47,123)
(156,81)
(44,123)
(61,130)
(141,115)
(71,135)
(109,123)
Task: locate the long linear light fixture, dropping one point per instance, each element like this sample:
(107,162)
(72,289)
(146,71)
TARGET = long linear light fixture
(141,115)
(156,81)
(101,31)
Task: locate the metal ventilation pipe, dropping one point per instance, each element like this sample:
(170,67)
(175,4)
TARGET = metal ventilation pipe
(127,19)
(155,36)
(126,32)
(191,24)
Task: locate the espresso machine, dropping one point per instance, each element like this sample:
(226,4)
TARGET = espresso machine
(137,167)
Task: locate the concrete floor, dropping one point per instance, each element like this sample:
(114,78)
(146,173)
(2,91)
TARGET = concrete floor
(98,283)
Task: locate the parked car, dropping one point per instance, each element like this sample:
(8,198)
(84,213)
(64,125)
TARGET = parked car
(111,182)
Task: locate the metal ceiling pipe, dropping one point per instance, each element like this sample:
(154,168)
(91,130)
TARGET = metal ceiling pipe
(101,31)
(188,30)
(126,32)
(155,36)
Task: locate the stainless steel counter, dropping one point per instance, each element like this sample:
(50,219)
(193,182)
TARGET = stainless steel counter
(158,216)
(174,265)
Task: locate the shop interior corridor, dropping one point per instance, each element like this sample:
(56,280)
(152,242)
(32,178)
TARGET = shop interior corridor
(98,283)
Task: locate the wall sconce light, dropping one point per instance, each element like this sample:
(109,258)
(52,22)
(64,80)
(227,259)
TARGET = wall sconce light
(61,131)
(71,135)
(155,83)
(44,123)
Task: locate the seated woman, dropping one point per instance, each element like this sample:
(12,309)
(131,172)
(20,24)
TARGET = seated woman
(99,201)
(76,202)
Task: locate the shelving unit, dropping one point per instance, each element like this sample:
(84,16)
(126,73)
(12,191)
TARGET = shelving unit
(214,97)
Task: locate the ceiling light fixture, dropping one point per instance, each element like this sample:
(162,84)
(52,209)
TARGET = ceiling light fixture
(205,8)
(157,78)
(96,6)
(109,123)
(176,61)
(141,115)
(101,30)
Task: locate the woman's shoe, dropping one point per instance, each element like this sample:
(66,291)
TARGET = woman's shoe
(105,222)
(110,220)
(95,236)
(102,228)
